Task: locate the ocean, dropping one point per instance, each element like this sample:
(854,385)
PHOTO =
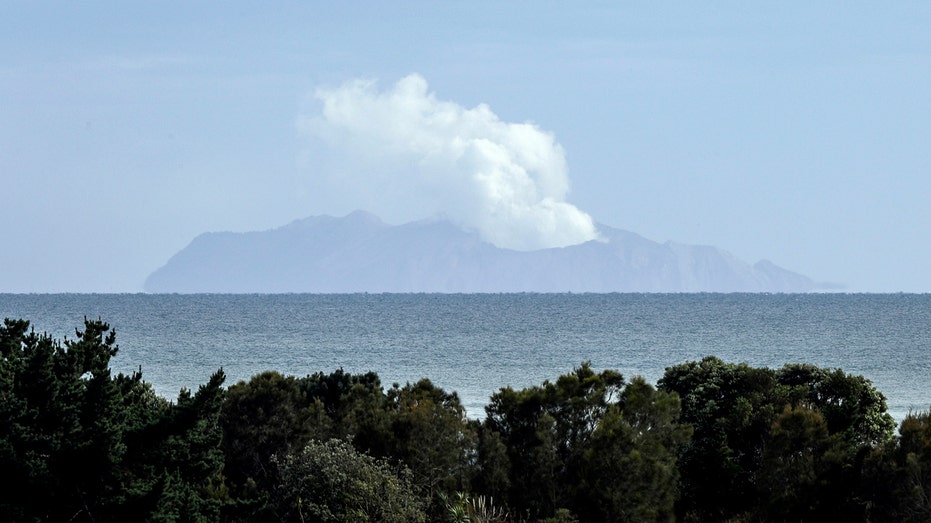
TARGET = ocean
(474,344)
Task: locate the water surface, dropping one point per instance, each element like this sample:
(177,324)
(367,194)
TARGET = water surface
(475,344)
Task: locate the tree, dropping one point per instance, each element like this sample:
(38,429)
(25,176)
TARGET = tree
(491,469)
(349,406)
(898,474)
(731,408)
(742,428)
(61,430)
(630,466)
(585,443)
(261,418)
(332,482)
(77,444)
(795,473)
(432,436)
(545,430)
(850,405)
(272,417)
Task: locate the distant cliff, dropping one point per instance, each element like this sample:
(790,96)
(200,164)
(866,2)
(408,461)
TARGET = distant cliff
(360,253)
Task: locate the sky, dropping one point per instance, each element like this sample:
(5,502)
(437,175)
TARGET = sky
(785,131)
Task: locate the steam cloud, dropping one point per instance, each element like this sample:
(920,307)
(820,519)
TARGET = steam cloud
(506,181)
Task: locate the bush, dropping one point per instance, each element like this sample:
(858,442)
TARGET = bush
(331,481)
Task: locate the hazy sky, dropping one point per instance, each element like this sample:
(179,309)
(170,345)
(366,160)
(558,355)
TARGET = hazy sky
(793,132)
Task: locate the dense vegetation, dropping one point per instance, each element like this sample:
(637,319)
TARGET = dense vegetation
(712,441)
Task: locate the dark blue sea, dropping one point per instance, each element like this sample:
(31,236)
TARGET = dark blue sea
(475,344)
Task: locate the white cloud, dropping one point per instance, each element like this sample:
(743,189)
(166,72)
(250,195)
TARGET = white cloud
(403,148)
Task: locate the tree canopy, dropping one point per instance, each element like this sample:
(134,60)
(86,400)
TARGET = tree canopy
(713,441)
(78,444)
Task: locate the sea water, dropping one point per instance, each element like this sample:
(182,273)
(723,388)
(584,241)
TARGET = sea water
(474,344)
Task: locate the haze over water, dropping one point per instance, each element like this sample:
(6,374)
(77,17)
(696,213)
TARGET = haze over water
(475,344)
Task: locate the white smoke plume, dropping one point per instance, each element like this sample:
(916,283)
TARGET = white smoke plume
(506,181)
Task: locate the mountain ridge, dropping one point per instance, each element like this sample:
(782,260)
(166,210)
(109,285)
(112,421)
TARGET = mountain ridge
(361,253)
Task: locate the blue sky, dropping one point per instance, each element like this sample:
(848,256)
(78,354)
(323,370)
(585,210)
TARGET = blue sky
(792,132)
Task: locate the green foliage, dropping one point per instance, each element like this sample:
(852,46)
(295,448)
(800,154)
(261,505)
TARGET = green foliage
(544,429)
(850,405)
(715,442)
(344,405)
(584,443)
(899,473)
(731,409)
(77,444)
(273,417)
(332,482)
(799,470)
(462,508)
(432,436)
(744,438)
(562,516)
(261,418)
(491,466)
(630,467)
